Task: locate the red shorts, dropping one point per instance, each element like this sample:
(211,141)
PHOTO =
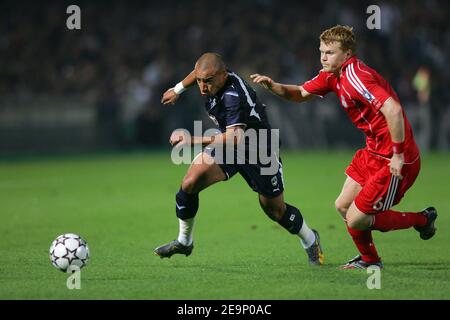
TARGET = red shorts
(381,190)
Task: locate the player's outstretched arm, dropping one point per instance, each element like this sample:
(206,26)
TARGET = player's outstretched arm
(286,91)
(172,94)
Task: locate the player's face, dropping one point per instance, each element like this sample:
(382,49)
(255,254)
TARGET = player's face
(210,81)
(332,57)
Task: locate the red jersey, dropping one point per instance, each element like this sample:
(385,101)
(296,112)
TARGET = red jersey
(362,92)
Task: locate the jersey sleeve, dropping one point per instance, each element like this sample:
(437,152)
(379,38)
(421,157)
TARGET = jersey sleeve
(235,113)
(370,89)
(318,85)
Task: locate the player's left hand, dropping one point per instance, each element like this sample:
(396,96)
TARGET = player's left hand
(396,165)
(169,97)
(264,81)
(180,138)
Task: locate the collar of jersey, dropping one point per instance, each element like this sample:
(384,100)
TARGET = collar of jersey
(348,61)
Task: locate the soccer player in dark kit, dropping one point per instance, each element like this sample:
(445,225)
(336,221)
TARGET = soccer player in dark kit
(236,110)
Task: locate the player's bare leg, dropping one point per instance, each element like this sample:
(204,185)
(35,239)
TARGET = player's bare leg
(348,194)
(202,173)
(292,220)
(362,239)
(358,220)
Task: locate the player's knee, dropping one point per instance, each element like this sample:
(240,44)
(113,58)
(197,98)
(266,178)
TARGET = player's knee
(352,224)
(190,184)
(341,207)
(355,224)
(274,212)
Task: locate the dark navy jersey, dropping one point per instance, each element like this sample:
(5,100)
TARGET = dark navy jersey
(236,104)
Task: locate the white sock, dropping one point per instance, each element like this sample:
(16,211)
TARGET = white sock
(185,236)
(307,237)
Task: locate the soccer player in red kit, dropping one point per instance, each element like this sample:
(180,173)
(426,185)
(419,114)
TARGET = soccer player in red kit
(381,173)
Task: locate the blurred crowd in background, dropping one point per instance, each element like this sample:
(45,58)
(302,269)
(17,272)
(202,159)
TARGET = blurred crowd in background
(100,87)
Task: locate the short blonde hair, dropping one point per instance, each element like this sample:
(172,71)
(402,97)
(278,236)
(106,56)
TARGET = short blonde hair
(342,34)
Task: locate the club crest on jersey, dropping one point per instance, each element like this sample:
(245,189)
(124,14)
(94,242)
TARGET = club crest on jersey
(367,95)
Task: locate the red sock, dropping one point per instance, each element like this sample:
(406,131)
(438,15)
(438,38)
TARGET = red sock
(364,242)
(394,220)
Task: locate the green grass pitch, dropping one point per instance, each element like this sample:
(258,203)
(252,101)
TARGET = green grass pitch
(123,205)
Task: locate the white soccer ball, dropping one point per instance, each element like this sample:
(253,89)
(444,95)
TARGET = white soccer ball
(68,250)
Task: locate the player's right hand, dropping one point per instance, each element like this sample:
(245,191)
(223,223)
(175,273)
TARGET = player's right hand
(396,165)
(264,81)
(180,138)
(169,97)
